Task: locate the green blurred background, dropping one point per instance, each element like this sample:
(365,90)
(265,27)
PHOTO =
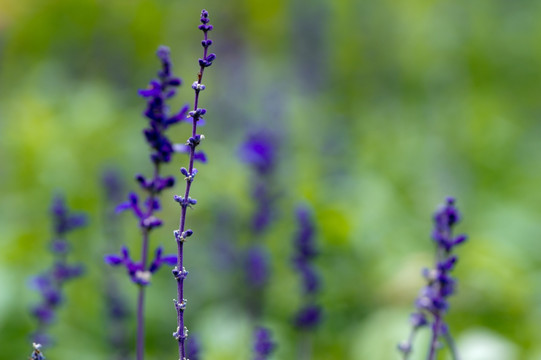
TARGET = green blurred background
(385,107)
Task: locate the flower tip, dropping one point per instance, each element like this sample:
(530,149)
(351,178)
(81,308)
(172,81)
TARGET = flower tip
(163,52)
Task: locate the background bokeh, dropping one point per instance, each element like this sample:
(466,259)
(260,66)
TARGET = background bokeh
(383,108)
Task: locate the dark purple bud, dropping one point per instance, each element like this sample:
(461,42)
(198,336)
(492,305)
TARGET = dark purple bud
(179,199)
(175,81)
(204,16)
(210,58)
(183,171)
(192,201)
(188,233)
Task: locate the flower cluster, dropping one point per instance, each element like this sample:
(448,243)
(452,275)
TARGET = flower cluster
(432,303)
(263,345)
(158,114)
(181,235)
(309,315)
(159,118)
(51,282)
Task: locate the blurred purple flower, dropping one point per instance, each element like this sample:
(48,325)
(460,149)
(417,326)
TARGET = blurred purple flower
(432,300)
(260,150)
(263,345)
(257,266)
(308,317)
(50,283)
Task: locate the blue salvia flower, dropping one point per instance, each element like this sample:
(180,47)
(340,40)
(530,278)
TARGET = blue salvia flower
(182,234)
(309,316)
(37,354)
(159,120)
(50,283)
(432,303)
(263,344)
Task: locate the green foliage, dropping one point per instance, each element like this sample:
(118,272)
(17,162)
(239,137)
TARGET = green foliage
(404,103)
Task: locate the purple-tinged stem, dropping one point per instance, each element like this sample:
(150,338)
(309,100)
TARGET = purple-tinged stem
(144,259)
(435,336)
(141,302)
(182,332)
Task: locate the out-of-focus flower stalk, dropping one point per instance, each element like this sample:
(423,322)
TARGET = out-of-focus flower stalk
(432,303)
(51,282)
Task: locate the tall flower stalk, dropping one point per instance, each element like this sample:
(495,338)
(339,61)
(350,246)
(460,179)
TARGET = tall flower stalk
(259,151)
(179,272)
(159,117)
(50,283)
(117,308)
(432,303)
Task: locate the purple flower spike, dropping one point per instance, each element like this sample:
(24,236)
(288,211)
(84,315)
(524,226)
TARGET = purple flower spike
(50,283)
(190,147)
(432,301)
